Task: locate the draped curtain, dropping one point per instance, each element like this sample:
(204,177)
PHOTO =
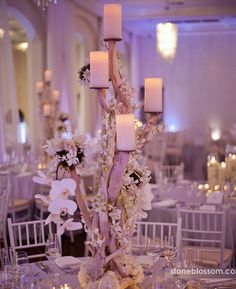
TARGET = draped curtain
(9,117)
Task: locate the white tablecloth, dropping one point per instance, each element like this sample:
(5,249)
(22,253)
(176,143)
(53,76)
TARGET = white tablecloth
(23,186)
(185,195)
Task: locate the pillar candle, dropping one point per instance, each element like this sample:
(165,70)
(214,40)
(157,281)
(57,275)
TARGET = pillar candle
(228,165)
(233,169)
(112,22)
(39,87)
(222,174)
(125,132)
(46,109)
(47,75)
(153,95)
(56,95)
(212,172)
(99,70)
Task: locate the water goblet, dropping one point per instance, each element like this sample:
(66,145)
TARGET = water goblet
(52,248)
(169,251)
(153,248)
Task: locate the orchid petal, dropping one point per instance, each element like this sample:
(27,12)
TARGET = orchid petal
(48,220)
(59,205)
(74,226)
(43,198)
(70,184)
(61,230)
(42,174)
(40,180)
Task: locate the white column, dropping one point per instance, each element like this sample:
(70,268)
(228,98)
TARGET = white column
(61,56)
(9,117)
(34,69)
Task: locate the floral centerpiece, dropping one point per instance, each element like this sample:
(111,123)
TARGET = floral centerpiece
(121,194)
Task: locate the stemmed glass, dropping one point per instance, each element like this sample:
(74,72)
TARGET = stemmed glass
(153,248)
(52,248)
(6,272)
(169,251)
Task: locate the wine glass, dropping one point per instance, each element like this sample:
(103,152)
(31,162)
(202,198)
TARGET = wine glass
(153,248)
(169,251)
(52,248)
(6,272)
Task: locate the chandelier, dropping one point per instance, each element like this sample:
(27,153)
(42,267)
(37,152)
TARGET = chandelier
(44,3)
(166,37)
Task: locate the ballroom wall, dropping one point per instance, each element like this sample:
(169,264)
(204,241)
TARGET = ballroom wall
(199,83)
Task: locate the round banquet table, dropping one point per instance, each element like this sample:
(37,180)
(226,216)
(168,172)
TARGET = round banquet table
(23,186)
(183,194)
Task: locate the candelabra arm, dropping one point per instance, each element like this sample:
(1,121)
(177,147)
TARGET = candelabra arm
(102,100)
(117,172)
(115,254)
(80,201)
(116,77)
(103,216)
(154,119)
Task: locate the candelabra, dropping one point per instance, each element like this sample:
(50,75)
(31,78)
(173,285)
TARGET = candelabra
(121,194)
(53,120)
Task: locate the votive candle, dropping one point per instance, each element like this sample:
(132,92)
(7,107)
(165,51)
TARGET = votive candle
(153,95)
(56,95)
(99,70)
(47,75)
(46,109)
(39,87)
(112,22)
(125,132)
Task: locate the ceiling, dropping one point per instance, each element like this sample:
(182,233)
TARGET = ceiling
(140,16)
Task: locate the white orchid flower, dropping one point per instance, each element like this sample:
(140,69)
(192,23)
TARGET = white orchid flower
(62,206)
(54,218)
(62,189)
(41,179)
(69,225)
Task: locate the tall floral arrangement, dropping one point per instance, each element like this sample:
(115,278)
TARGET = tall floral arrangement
(121,195)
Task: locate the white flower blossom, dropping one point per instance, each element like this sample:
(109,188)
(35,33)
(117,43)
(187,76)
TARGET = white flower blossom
(62,189)
(62,206)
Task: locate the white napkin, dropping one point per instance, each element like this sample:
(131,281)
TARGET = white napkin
(165,203)
(68,262)
(207,208)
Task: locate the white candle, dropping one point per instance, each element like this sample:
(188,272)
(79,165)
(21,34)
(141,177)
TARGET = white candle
(56,95)
(153,95)
(222,174)
(99,70)
(39,87)
(112,22)
(233,168)
(46,109)
(212,172)
(48,75)
(125,132)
